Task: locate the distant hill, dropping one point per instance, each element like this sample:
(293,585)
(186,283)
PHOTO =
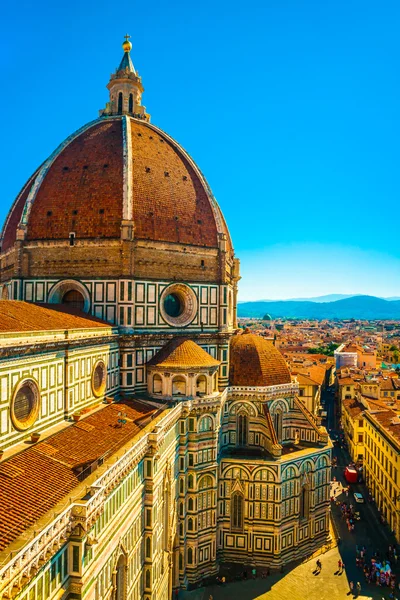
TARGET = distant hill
(355,307)
(327,298)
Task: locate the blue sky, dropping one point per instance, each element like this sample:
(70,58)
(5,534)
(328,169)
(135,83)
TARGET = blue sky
(290,107)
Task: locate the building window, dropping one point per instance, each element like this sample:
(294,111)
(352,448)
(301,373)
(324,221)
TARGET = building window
(157,384)
(304,502)
(25,404)
(206,424)
(178,386)
(120,103)
(75,559)
(242,430)
(190,556)
(237,511)
(99,379)
(131,103)
(278,424)
(148,548)
(120,579)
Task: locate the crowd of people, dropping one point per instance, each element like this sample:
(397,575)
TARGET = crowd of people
(349,514)
(378,569)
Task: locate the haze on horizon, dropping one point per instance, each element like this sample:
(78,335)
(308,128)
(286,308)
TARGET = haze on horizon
(291,110)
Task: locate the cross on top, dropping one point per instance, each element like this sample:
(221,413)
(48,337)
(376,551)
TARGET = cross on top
(127,36)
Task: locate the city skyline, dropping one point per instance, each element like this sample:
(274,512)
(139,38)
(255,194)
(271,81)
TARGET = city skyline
(299,151)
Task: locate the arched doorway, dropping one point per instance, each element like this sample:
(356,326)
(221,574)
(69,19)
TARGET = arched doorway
(73,299)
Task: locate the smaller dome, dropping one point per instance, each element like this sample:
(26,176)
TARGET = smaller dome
(182,353)
(254,361)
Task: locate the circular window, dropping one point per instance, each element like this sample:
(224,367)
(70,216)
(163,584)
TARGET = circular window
(99,378)
(25,404)
(178,305)
(173,305)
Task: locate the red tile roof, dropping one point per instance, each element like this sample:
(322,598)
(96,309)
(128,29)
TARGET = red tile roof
(254,361)
(182,352)
(82,191)
(17,316)
(34,481)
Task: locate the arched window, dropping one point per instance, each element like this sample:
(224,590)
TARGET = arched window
(181,486)
(147,584)
(181,529)
(237,511)
(148,547)
(120,103)
(201,385)
(180,562)
(131,103)
(242,429)
(304,501)
(74,299)
(190,504)
(157,384)
(190,556)
(120,579)
(215,382)
(190,524)
(206,424)
(190,481)
(178,386)
(278,424)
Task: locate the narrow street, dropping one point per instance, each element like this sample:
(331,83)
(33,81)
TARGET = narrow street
(369,531)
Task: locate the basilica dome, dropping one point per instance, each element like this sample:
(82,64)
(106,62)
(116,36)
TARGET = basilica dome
(116,169)
(254,361)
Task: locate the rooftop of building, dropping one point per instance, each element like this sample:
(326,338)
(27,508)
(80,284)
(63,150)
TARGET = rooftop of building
(17,316)
(35,480)
(182,353)
(254,361)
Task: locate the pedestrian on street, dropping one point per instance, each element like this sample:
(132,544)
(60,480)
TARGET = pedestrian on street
(319,565)
(351,586)
(358,587)
(343,567)
(339,564)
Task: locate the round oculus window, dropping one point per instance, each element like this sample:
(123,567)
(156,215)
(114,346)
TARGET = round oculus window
(25,404)
(173,305)
(99,377)
(178,305)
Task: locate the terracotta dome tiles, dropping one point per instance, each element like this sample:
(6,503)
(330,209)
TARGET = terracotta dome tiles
(82,190)
(169,200)
(85,178)
(182,353)
(254,361)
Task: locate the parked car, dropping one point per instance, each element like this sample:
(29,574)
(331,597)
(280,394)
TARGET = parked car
(358,497)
